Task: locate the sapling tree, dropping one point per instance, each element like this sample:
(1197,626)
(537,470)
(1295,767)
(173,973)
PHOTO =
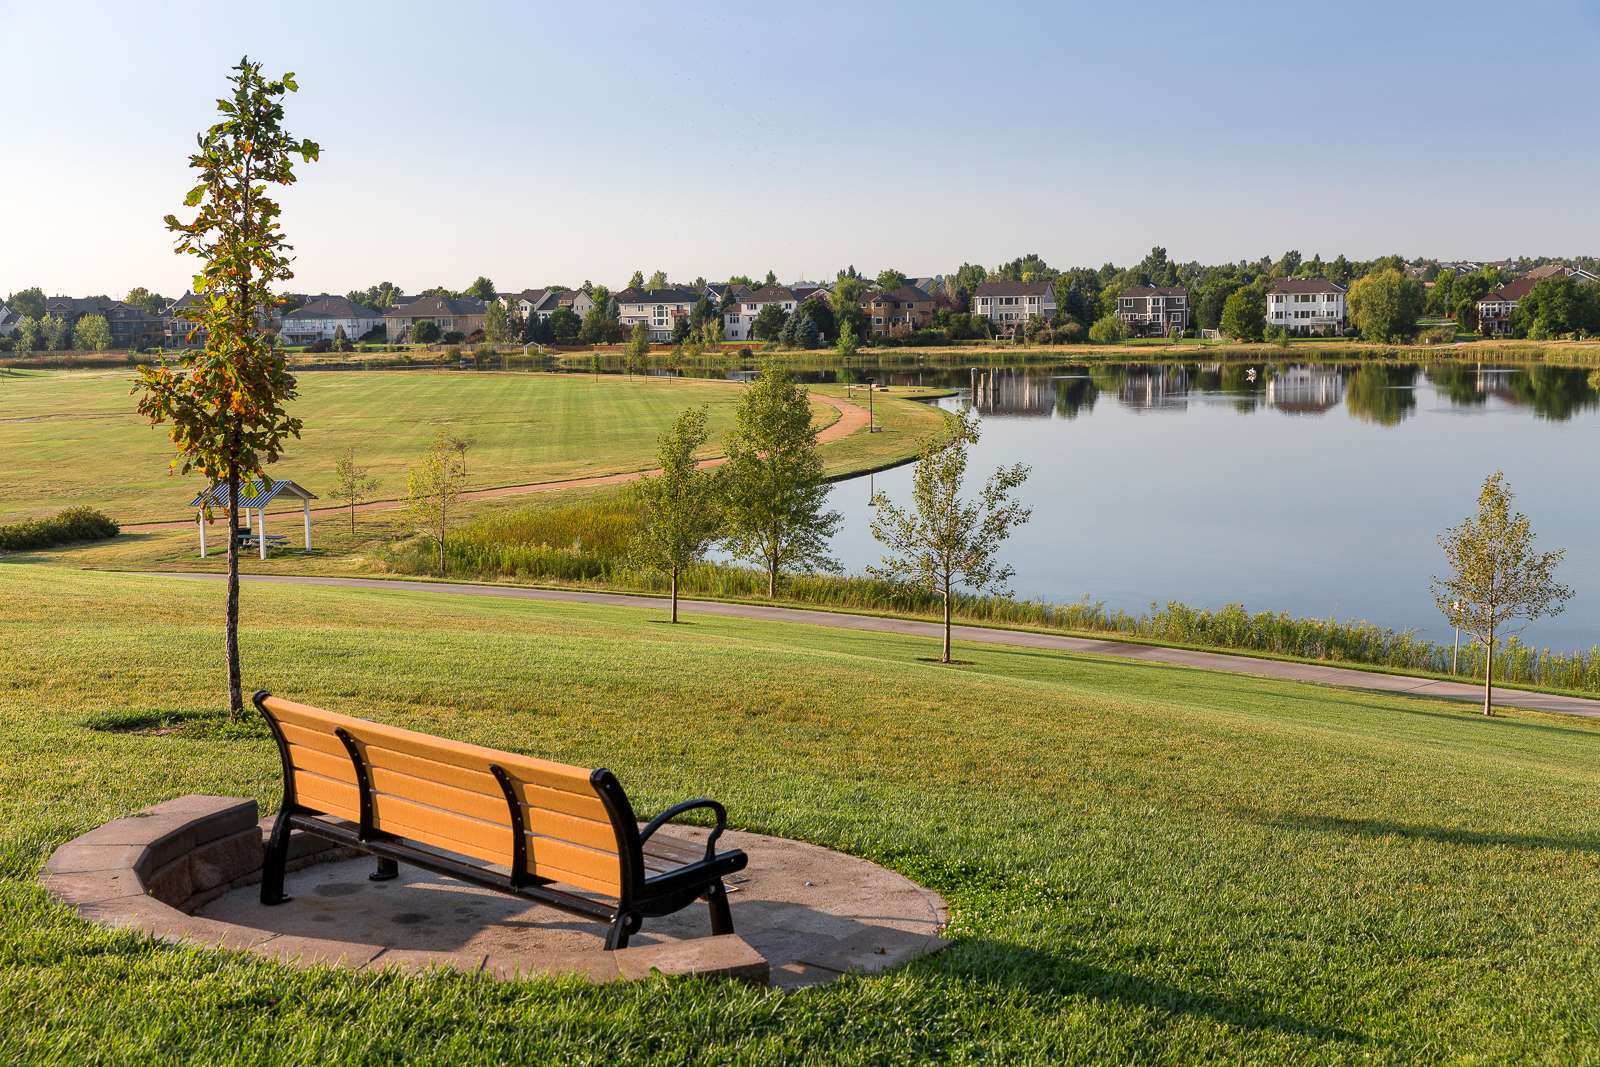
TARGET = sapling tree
(1497,576)
(771,486)
(227,401)
(637,353)
(352,485)
(681,513)
(944,541)
(433,488)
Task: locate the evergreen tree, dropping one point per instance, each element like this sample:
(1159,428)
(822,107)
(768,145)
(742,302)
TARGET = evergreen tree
(808,335)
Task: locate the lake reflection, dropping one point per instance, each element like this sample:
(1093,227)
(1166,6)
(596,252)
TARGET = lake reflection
(1312,489)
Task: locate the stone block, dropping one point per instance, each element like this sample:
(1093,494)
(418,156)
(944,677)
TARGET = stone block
(73,858)
(203,897)
(224,859)
(412,961)
(288,948)
(171,884)
(872,950)
(140,913)
(726,956)
(164,837)
(88,887)
(209,817)
(598,966)
(208,933)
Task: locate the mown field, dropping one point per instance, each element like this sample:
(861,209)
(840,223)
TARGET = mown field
(71,438)
(1145,864)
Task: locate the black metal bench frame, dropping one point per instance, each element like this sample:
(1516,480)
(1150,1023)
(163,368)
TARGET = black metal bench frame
(641,897)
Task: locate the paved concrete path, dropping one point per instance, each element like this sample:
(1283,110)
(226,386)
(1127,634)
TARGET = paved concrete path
(1216,661)
(852,418)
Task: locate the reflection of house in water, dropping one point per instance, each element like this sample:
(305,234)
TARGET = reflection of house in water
(1012,392)
(1305,390)
(1152,388)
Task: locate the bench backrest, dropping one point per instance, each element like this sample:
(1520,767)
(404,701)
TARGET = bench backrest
(442,793)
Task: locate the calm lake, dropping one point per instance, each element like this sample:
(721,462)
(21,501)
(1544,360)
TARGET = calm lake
(1315,490)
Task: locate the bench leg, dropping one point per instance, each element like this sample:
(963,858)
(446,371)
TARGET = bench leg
(277,855)
(721,919)
(387,869)
(625,924)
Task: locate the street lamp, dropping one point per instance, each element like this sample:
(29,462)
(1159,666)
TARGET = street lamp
(872,422)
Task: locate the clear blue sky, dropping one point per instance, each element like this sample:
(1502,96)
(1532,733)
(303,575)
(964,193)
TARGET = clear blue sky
(553,143)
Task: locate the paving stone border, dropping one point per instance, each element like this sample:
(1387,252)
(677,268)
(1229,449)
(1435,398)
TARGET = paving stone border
(151,871)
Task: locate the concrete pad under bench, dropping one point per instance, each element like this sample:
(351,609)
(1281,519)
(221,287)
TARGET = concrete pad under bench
(186,871)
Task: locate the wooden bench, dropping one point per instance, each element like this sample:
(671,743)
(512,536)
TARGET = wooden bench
(553,834)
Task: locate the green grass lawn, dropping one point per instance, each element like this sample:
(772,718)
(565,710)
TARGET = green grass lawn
(81,442)
(1145,864)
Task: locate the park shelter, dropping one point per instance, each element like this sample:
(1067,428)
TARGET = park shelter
(254,495)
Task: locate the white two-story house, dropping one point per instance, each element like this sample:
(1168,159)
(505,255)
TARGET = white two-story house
(1306,305)
(742,316)
(1154,310)
(322,318)
(658,309)
(1010,304)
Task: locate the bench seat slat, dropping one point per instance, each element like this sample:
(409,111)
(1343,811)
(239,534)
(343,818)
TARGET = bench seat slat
(317,740)
(492,810)
(326,764)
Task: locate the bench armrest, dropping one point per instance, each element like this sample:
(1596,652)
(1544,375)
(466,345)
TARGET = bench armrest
(689,805)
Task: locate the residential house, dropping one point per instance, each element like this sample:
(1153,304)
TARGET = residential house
(321,319)
(463,315)
(131,327)
(9,320)
(1306,305)
(1010,304)
(1494,310)
(905,306)
(174,318)
(740,318)
(658,309)
(1154,311)
(1557,270)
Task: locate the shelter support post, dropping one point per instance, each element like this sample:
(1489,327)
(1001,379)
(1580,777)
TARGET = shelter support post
(307,504)
(261,538)
(202,517)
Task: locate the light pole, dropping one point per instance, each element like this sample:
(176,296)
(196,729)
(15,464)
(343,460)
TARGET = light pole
(872,422)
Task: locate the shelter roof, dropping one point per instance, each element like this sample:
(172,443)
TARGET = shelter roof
(253,494)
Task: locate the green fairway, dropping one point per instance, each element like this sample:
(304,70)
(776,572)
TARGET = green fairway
(1145,864)
(79,440)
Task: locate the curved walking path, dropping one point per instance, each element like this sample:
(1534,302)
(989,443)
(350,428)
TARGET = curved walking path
(852,418)
(1182,657)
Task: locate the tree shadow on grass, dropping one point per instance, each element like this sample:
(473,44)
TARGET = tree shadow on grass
(1055,974)
(1378,828)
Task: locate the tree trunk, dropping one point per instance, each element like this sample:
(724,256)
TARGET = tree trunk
(772,582)
(674,596)
(235,687)
(946,624)
(1488,678)
(352,516)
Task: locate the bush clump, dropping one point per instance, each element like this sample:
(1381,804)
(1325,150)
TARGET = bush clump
(73,524)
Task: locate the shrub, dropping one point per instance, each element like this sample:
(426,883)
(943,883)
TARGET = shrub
(425,331)
(73,524)
(1439,335)
(323,345)
(454,337)
(1278,335)
(1109,330)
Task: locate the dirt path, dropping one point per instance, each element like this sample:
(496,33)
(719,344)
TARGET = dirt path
(852,418)
(1178,657)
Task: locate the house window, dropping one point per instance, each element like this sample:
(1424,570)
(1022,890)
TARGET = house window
(984,301)
(1127,302)
(878,321)
(1033,300)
